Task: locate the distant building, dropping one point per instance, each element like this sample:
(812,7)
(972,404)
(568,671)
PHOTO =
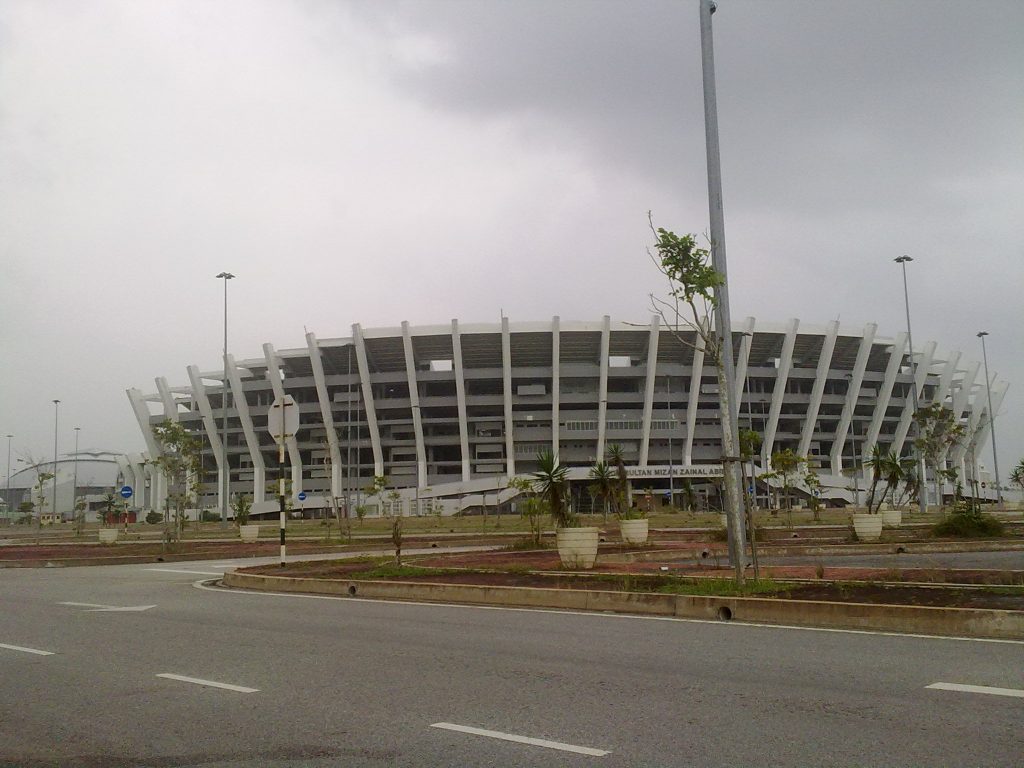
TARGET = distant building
(98,473)
(450,412)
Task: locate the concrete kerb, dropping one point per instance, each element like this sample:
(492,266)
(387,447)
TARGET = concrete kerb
(956,622)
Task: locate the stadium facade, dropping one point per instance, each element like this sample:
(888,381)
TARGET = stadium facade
(453,411)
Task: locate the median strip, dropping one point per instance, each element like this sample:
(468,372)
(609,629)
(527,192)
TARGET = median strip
(208,683)
(1013,692)
(522,739)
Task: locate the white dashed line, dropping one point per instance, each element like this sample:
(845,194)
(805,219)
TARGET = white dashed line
(208,683)
(522,739)
(25,650)
(1014,692)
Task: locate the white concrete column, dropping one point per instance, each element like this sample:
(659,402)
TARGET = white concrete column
(506,375)
(979,407)
(252,441)
(747,330)
(652,374)
(963,394)
(696,371)
(368,404)
(414,400)
(981,435)
(167,399)
(885,392)
(209,425)
(556,385)
(142,415)
(460,396)
(291,443)
(779,393)
(820,378)
(316,363)
(921,371)
(852,395)
(602,387)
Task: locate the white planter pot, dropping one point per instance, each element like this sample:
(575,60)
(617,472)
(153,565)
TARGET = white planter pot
(108,535)
(891,518)
(249,533)
(867,527)
(577,547)
(634,531)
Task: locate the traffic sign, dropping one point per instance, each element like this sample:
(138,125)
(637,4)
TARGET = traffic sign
(126,491)
(283,418)
(302,495)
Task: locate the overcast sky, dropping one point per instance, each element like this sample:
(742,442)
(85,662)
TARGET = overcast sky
(383,161)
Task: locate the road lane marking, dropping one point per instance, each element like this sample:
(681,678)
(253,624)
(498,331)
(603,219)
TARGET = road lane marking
(593,614)
(208,683)
(174,570)
(522,739)
(1014,692)
(96,608)
(25,650)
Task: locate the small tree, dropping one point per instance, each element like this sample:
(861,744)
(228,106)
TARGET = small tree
(623,493)
(1017,475)
(242,506)
(786,464)
(813,483)
(553,485)
(25,510)
(109,503)
(396,525)
(937,432)
(80,507)
(603,486)
(532,508)
(180,461)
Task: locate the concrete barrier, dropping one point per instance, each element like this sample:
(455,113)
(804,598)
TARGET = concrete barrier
(961,622)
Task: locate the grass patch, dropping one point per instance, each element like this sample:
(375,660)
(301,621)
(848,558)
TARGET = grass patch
(392,571)
(721,587)
(525,545)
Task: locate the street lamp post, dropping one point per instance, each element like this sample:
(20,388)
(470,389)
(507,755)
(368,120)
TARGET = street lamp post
(922,502)
(991,418)
(7,495)
(74,489)
(225,482)
(671,460)
(56,407)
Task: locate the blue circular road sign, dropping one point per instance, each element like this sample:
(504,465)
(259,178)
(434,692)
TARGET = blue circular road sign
(126,491)
(302,495)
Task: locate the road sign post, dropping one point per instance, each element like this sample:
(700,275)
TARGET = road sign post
(282,423)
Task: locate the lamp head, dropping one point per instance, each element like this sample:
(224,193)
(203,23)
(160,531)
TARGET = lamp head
(902,259)
(225,275)
(982,334)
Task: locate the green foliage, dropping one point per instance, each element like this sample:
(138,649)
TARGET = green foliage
(750,444)
(604,486)
(532,508)
(786,464)
(687,267)
(552,482)
(154,517)
(967,522)
(617,458)
(721,587)
(1017,475)
(242,506)
(180,461)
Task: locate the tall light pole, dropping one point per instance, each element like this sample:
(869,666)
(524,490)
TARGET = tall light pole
(56,407)
(991,418)
(74,489)
(7,495)
(922,502)
(728,412)
(225,481)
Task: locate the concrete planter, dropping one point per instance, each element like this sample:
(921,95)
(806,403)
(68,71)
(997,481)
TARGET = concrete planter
(891,518)
(867,527)
(577,547)
(634,531)
(723,520)
(108,535)
(249,533)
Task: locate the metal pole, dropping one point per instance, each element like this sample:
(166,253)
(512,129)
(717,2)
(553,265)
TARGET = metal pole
(991,419)
(56,408)
(280,488)
(723,323)
(922,491)
(225,482)
(7,495)
(74,490)
(671,460)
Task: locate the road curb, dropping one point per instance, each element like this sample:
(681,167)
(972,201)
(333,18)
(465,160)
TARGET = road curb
(958,622)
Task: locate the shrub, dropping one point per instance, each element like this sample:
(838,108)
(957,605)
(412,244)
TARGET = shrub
(209,516)
(154,517)
(966,524)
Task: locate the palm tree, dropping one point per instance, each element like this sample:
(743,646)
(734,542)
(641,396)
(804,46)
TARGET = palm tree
(899,470)
(1017,475)
(603,486)
(617,457)
(877,465)
(552,481)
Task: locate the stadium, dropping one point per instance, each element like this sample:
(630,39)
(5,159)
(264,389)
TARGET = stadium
(449,413)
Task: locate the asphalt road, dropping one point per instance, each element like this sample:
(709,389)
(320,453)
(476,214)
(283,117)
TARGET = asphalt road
(345,682)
